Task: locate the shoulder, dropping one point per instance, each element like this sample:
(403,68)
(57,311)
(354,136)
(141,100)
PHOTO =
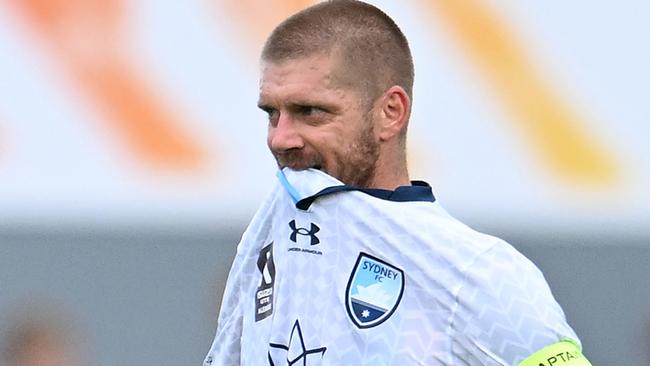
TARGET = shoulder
(506,310)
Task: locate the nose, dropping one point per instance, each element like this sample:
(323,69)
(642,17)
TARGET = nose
(284,135)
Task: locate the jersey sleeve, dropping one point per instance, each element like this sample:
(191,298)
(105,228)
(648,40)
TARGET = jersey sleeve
(505,313)
(226,347)
(564,353)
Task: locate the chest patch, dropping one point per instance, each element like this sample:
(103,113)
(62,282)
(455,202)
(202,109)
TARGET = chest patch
(374,291)
(264,293)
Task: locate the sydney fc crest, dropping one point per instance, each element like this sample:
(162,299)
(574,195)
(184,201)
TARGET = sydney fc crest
(374,291)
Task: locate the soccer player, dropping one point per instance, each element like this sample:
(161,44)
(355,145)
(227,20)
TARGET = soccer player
(348,262)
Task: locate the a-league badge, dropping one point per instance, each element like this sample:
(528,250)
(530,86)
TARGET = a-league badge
(374,291)
(264,293)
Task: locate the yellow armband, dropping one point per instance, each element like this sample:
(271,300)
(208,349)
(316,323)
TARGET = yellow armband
(564,353)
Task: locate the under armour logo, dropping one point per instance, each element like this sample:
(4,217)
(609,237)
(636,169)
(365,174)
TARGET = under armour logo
(303,231)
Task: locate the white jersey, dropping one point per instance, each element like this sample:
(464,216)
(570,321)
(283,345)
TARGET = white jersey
(330,275)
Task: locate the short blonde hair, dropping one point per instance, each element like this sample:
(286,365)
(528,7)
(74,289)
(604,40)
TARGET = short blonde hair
(373,52)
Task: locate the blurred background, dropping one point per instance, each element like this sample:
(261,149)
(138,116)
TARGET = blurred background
(132,156)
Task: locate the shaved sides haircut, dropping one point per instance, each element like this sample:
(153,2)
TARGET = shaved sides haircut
(372,52)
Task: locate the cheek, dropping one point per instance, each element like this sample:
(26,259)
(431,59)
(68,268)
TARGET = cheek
(325,144)
(334,150)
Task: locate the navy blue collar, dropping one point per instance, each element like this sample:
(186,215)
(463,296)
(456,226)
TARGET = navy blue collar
(418,191)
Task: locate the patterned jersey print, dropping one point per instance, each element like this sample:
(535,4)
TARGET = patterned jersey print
(360,280)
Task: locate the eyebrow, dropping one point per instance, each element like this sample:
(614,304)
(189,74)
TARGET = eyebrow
(264,104)
(299,102)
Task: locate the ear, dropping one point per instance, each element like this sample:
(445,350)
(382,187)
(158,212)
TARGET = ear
(394,111)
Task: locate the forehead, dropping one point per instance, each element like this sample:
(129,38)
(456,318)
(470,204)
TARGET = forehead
(303,77)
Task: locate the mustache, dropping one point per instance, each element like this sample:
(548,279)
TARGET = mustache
(298,159)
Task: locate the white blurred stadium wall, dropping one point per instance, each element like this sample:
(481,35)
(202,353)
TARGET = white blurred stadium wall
(132,156)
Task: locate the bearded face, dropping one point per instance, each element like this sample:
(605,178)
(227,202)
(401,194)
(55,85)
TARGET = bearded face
(313,123)
(353,162)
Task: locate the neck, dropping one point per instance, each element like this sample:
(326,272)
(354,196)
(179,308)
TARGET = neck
(391,173)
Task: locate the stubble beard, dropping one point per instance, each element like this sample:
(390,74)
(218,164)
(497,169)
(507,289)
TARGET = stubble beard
(356,165)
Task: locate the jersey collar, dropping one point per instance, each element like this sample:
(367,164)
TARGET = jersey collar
(307,186)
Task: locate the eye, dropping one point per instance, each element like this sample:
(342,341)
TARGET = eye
(272,114)
(308,110)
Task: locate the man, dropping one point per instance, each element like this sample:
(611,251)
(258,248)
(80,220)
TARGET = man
(347,262)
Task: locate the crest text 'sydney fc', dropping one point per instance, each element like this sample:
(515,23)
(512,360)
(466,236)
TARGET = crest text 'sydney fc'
(374,291)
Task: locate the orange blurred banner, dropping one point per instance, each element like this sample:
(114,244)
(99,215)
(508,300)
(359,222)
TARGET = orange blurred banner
(142,70)
(85,38)
(551,126)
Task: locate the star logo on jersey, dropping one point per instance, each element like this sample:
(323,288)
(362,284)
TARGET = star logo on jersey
(311,233)
(264,293)
(374,291)
(295,351)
